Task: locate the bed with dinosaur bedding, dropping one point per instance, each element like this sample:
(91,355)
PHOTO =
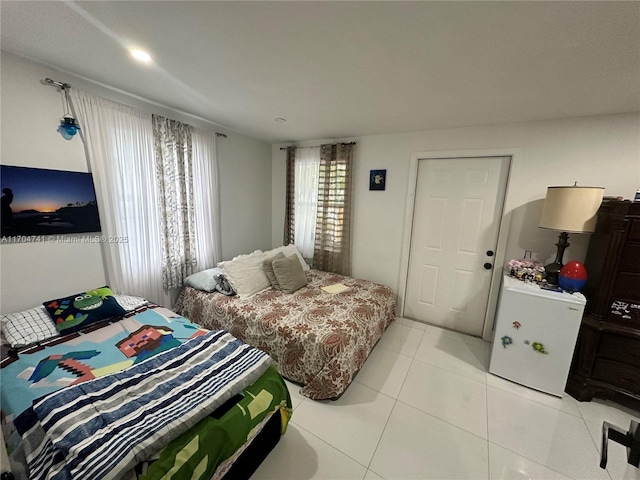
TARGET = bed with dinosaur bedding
(145,395)
(317,339)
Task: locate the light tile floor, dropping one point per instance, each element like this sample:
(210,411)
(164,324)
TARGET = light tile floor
(425,407)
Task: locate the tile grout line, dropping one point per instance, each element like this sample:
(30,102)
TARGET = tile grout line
(388,418)
(375,450)
(524,455)
(593,440)
(532,460)
(441,420)
(452,372)
(486,393)
(395,401)
(489,442)
(449,372)
(366,466)
(330,445)
(531,399)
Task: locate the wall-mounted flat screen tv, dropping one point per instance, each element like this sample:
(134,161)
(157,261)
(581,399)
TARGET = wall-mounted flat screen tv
(38,201)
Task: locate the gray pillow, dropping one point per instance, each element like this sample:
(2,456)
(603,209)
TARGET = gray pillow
(268,269)
(204,280)
(289,273)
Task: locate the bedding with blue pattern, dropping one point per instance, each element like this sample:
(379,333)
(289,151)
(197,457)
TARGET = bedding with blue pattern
(95,403)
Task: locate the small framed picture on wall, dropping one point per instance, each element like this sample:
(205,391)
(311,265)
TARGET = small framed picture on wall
(377,179)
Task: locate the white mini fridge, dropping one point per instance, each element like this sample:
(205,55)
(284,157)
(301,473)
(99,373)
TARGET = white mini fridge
(535,335)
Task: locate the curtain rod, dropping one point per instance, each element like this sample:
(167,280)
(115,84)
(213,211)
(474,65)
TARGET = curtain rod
(350,143)
(67,85)
(57,84)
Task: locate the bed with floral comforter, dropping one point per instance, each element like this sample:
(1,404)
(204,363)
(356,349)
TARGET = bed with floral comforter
(317,339)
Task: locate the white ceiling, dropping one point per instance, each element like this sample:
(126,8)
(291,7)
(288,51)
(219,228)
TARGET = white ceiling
(343,69)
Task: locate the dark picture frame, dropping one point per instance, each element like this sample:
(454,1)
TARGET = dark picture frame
(377,179)
(39,201)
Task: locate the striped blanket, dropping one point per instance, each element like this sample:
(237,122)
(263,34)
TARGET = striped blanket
(103,427)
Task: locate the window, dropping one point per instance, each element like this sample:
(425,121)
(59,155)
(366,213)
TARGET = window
(318,208)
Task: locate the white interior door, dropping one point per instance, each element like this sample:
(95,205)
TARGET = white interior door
(456,220)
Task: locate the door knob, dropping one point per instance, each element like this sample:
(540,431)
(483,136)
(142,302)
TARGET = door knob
(487,266)
(489,253)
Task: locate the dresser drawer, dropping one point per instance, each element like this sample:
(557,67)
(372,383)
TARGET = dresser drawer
(617,374)
(627,285)
(630,261)
(622,349)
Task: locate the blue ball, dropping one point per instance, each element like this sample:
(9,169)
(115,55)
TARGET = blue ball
(571,284)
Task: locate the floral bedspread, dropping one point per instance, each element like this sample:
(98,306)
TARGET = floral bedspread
(316,339)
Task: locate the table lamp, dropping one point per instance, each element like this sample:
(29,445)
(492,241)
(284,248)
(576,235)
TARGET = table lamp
(569,210)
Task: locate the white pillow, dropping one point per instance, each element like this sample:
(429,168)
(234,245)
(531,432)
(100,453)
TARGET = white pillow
(204,280)
(246,274)
(288,251)
(240,257)
(129,302)
(244,257)
(27,327)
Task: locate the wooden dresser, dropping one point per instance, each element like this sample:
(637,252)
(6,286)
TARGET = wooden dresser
(606,361)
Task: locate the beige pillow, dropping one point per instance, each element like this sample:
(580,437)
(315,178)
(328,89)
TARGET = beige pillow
(290,249)
(246,274)
(289,273)
(268,269)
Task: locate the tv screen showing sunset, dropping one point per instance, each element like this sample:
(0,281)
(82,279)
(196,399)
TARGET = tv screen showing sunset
(37,201)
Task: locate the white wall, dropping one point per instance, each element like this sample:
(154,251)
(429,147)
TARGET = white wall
(32,273)
(597,151)
(245,190)
(35,272)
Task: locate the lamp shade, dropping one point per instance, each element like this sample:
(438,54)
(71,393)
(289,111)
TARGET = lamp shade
(571,209)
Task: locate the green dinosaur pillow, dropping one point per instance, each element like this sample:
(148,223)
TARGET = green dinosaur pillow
(74,313)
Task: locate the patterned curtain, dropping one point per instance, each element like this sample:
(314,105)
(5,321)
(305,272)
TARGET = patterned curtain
(289,208)
(174,174)
(332,251)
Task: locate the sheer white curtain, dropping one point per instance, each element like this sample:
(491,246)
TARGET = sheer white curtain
(205,190)
(306,198)
(120,151)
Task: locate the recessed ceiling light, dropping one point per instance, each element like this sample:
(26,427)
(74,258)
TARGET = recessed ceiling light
(280,120)
(140,55)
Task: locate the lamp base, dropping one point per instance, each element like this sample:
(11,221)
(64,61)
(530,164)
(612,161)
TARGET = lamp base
(553,269)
